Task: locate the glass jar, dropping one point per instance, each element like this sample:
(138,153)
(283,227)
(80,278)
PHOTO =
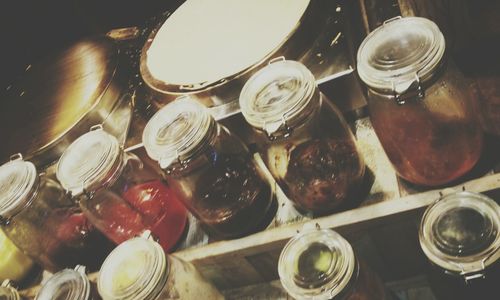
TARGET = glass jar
(420,104)
(303,138)
(210,169)
(460,235)
(138,269)
(119,194)
(7,292)
(68,284)
(38,216)
(321,264)
(14,264)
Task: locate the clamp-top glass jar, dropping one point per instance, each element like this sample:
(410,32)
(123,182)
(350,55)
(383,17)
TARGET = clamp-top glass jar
(68,284)
(211,170)
(302,137)
(321,264)
(119,194)
(460,235)
(7,292)
(38,216)
(420,104)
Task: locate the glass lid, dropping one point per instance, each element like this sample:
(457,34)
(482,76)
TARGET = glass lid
(89,162)
(460,232)
(18,181)
(136,269)
(278,94)
(316,264)
(177,131)
(7,292)
(399,52)
(67,284)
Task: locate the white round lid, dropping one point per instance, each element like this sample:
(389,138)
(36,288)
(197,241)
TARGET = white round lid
(67,284)
(392,56)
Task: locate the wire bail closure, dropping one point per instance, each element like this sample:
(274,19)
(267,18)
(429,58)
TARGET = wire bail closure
(413,92)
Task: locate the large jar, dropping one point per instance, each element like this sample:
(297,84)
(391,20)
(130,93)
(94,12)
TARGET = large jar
(38,216)
(460,235)
(119,194)
(321,264)
(210,169)
(420,104)
(14,264)
(68,284)
(302,137)
(138,269)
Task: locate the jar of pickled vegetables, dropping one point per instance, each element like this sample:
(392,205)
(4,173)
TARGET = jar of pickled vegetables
(321,264)
(303,138)
(138,269)
(7,292)
(14,264)
(210,169)
(119,194)
(68,284)
(460,235)
(38,216)
(420,105)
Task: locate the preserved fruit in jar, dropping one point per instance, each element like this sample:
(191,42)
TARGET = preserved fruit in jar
(14,264)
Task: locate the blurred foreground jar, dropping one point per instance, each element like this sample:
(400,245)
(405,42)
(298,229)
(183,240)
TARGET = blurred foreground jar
(420,104)
(321,264)
(14,264)
(460,235)
(38,216)
(7,292)
(138,269)
(303,138)
(117,192)
(68,284)
(210,169)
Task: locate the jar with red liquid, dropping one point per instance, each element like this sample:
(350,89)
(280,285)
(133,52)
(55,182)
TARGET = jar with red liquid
(118,193)
(41,220)
(420,104)
(321,264)
(210,169)
(303,138)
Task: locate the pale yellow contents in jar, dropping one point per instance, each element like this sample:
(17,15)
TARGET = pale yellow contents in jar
(14,264)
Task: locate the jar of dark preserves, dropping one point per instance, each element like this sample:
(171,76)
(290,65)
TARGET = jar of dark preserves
(321,264)
(210,169)
(420,104)
(119,194)
(302,137)
(460,235)
(38,216)
(67,284)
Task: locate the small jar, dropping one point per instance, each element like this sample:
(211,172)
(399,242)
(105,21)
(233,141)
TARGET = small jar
(420,105)
(460,235)
(68,284)
(210,169)
(138,269)
(320,264)
(303,138)
(7,292)
(14,264)
(38,216)
(119,194)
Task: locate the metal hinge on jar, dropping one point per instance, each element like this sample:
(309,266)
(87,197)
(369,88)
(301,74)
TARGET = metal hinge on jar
(408,90)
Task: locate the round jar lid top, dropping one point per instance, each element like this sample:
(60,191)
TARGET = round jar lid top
(88,162)
(67,284)
(136,269)
(276,94)
(460,232)
(176,131)
(400,51)
(7,292)
(17,181)
(316,264)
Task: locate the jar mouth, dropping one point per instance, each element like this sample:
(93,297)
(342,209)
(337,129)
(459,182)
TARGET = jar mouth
(177,131)
(89,162)
(136,269)
(277,95)
(67,284)
(400,52)
(18,184)
(316,264)
(460,232)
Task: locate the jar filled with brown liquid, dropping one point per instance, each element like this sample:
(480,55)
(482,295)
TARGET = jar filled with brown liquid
(421,106)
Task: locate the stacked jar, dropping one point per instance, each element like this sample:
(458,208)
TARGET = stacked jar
(119,194)
(303,138)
